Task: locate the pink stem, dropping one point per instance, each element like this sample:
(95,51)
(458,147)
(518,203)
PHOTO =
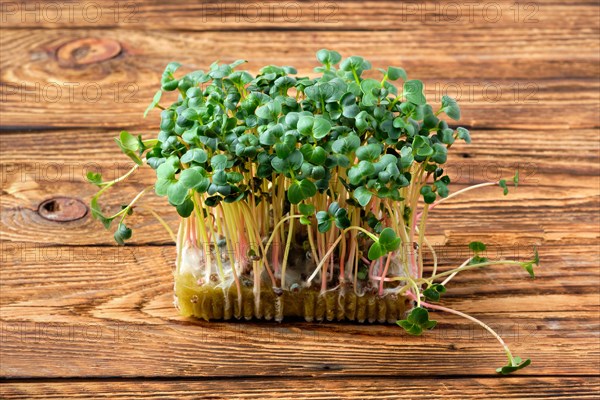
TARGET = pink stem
(384,273)
(371,265)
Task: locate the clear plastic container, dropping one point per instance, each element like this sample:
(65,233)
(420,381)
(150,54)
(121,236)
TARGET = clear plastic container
(209,286)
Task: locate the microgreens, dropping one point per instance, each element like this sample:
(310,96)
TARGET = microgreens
(477,248)
(434,291)
(277,172)
(513,365)
(417,321)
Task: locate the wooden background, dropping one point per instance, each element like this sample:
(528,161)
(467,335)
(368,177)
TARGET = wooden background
(81,317)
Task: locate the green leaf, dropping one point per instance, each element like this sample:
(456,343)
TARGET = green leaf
(434,291)
(477,247)
(333,208)
(450,107)
(305,125)
(122,234)
(306,209)
(95,178)
(301,190)
(321,128)
(186,208)
(387,236)
(267,138)
(369,85)
(417,321)
(324,221)
(191,177)
(129,145)
(129,141)
(440,153)
(395,73)
(441,188)
(161,186)
(168,81)
(410,328)
(369,152)
(355,63)
(219,177)
(346,145)
(428,195)
(366,168)
(362,195)
(350,111)
(234,177)
(177,193)
(263,112)
(421,146)
(218,162)
(413,91)
(389,240)
(478,260)
(328,57)
(286,146)
(446,136)
(362,121)
(463,134)
(502,184)
(516,178)
(97,214)
(154,102)
(166,171)
(406,157)
(341,219)
(220,71)
(196,155)
(376,251)
(237,63)
(315,127)
(318,156)
(304,220)
(516,364)
(528,266)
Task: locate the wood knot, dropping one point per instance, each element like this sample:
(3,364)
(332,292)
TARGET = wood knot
(87,51)
(62,209)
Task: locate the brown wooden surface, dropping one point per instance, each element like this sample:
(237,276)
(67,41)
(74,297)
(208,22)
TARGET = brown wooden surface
(83,318)
(335,388)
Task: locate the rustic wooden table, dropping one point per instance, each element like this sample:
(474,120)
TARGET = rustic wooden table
(81,317)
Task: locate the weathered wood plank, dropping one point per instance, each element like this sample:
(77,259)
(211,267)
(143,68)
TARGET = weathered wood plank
(44,84)
(301,15)
(35,276)
(332,388)
(44,342)
(68,309)
(115,303)
(557,200)
(533,214)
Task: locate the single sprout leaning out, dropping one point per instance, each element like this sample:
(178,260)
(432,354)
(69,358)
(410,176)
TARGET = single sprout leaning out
(303,196)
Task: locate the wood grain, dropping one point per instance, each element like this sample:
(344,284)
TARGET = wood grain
(80,317)
(248,15)
(40,91)
(553,191)
(127,343)
(36,276)
(67,303)
(333,388)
